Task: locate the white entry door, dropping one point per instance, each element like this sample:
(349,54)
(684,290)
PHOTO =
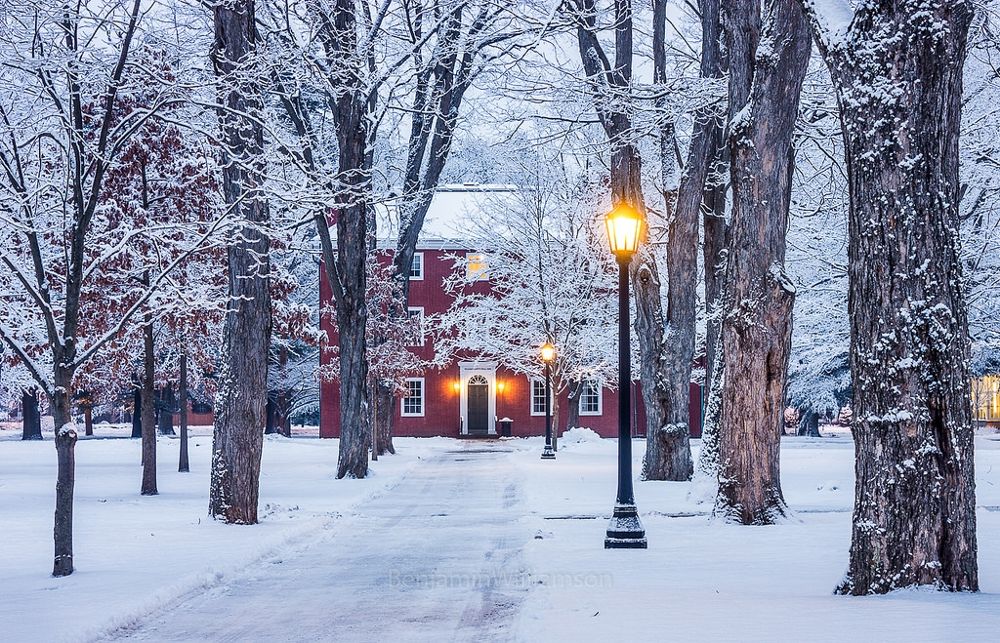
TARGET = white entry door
(478,399)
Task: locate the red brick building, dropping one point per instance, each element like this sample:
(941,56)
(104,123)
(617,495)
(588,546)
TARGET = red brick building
(472,394)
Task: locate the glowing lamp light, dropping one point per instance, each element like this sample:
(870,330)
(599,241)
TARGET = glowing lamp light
(457,386)
(625,227)
(500,386)
(548,352)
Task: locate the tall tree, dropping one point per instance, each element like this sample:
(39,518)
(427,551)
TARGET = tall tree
(58,141)
(667,448)
(238,435)
(767,63)
(609,84)
(897,69)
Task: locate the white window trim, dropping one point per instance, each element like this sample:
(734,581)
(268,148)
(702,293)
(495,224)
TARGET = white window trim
(420,329)
(600,401)
(423,399)
(531,396)
(419,277)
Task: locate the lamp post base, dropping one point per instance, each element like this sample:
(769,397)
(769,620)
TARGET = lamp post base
(625,529)
(548,453)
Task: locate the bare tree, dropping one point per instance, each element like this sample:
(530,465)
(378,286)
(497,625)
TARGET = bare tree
(239,411)
(767,64)
(897,70)
(609,83)
(667,447)
(58,142)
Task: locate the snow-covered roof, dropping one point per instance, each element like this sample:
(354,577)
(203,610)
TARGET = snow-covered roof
(453,208)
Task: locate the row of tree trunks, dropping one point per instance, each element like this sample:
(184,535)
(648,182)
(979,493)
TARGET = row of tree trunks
(239,410)
(758,295)
(898,79)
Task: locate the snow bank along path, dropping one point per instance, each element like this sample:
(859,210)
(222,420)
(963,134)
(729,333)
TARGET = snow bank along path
(436,559)
(135,554)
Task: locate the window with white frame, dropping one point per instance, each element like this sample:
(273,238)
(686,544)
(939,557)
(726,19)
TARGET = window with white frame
(537,396)
(417,318)
(417,267)
(413,399)
(591,398)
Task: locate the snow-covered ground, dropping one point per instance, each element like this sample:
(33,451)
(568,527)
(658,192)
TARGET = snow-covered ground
(452,540)
(134,553)
(702,580)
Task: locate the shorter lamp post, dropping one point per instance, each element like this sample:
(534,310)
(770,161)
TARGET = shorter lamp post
(625,229)
(548,354)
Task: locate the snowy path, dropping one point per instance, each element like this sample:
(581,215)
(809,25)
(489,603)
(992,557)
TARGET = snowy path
(436,558)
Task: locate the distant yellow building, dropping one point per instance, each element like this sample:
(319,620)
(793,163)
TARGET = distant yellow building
(986,400)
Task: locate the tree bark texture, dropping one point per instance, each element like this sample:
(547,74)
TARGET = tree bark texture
(183,462)
(31,417)
(899,87)
(758,295)
(668,450)
(239,410)
(673,456)
(65,439)
(148,412)
(715,238)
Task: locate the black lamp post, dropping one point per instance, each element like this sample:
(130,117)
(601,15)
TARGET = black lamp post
(548,353)
(625,228)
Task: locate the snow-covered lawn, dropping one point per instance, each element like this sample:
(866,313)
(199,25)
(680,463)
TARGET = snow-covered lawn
(133,553)
(699,580)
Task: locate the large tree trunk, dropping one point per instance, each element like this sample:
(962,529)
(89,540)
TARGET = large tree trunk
(148,412)
(31,417)
(899,86)
(715,232)
(65,439)
(239,410)
(183,464)
(354,421)
(758,296)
